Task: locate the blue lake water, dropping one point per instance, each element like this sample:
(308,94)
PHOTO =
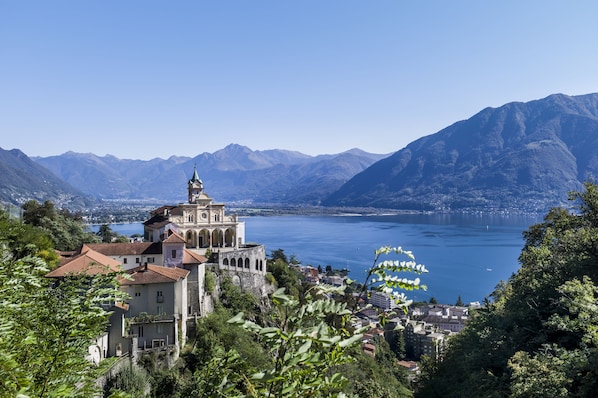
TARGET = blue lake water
(466,255)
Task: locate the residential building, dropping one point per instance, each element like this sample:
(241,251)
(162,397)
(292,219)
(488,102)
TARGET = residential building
(382,300)
(170,252)
(131,254)
(424,339)
(443,317)
(157,312)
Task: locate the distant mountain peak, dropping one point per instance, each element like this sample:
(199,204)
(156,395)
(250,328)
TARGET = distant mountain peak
(233,174)
(520,157)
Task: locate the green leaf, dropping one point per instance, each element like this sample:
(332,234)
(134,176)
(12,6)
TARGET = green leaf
(351,340)
(304,347)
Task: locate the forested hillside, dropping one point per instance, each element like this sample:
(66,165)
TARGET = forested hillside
(298,343)
(538,335)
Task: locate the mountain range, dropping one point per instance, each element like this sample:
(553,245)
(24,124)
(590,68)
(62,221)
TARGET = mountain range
(523,156)
(234,174)
(22,179)
(517,157)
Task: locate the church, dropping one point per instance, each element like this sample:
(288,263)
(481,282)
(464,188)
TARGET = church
(207,230)
(167,285)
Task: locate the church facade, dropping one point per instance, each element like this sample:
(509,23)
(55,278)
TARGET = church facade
(207,229)
(203,223)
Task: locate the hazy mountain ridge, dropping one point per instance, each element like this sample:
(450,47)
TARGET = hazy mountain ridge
(22,179)
(518,156)
(232,174)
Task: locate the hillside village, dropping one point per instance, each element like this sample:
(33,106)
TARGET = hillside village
(425,328)
(185,244)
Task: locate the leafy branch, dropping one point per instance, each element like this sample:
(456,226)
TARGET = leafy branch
(383,276)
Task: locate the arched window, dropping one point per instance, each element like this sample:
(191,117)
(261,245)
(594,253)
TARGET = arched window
(233,262)
(257,264)
(225,261)
(247,263)
(240,263)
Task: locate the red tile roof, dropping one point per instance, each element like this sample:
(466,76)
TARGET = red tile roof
(126,248)
(174,238)
(190,257)
(161,210)
(88,262)
(147,274)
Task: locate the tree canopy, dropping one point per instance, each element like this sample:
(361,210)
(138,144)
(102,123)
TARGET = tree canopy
(46,326)
(537,334)
(66,229)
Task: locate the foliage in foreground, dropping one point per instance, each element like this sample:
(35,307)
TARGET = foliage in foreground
(311,339)
(46,327)
(539,336)
(302,344)
(45,330)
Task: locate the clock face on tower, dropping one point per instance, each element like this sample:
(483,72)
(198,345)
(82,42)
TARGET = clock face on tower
(204,215)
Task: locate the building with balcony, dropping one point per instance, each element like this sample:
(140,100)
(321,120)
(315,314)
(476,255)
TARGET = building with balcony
(157,310)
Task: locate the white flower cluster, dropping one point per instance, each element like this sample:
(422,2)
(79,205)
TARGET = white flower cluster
(391,278)
(403,266)
(397,250)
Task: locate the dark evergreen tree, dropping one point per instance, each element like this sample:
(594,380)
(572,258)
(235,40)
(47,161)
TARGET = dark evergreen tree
(278,254)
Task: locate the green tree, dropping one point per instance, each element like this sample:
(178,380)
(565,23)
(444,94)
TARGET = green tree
(106,233)
(293,260)
(235,299)
(304,347)
(209,281)
(279,254)
(23,240)
(310,340)
(286,276)
(375,377)
(129,382)
(121,239)
(46,328)
(397,344)
(33,212)
(219,376)
(539,332)
(459,302)
(66,229)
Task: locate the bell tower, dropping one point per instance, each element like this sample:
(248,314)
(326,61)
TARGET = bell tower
(195,186)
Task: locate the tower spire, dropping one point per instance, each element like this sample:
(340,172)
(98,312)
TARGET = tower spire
(195,177)
(195,186)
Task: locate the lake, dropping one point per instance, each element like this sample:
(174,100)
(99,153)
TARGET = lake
(466,255)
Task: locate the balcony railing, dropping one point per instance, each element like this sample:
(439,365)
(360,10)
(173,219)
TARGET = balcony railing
(144,317)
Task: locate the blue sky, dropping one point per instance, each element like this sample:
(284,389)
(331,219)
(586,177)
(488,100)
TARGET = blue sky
(145,79)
